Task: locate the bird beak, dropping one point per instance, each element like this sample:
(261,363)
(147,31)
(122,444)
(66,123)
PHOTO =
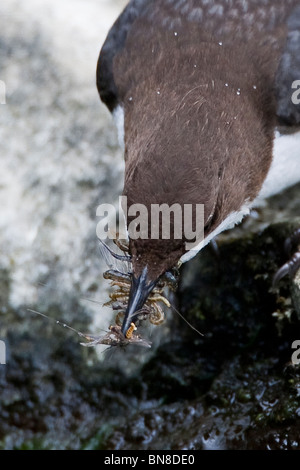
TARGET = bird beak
(140,289)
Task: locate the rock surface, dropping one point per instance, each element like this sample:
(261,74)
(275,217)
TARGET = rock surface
(233,388)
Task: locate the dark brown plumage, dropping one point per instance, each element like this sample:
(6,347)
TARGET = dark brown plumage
(199,82)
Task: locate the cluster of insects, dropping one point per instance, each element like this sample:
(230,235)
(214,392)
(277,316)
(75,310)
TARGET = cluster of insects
(120,276)
(115,337)
(120,273)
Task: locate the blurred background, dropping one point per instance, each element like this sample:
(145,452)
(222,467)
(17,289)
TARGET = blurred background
(234,388)
(59,154)
(59,161)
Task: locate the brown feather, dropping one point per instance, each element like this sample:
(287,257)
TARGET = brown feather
(190,138)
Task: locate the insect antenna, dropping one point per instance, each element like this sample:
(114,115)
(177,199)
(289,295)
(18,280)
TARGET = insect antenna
(58,322)
(184,319)
(120,263)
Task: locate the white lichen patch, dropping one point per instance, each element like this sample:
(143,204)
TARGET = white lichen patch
(59,153)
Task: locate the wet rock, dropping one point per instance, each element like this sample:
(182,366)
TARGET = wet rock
(236,387)
(239,281)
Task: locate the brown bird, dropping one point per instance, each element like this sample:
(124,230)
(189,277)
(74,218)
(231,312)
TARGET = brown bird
(206,95)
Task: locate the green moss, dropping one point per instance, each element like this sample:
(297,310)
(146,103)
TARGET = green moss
(97,442)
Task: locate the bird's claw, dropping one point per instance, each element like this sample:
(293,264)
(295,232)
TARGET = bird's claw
(290,267)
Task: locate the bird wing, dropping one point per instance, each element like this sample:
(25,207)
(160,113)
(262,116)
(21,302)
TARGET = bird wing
(287,76)
(114,42)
